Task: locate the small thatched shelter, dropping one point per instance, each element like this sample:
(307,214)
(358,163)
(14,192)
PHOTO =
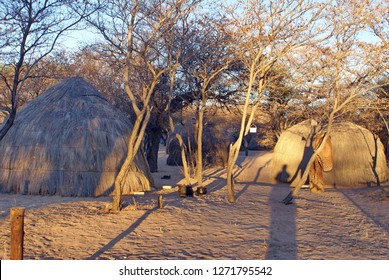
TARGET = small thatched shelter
(69,141)
(215,145)
(173,148)
(358,155)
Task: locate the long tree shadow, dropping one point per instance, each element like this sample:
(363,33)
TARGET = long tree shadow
(220,182)
(374,219)
(251,184)
(122,235)
(374,157)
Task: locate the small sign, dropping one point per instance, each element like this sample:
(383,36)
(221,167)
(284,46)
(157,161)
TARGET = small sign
(253,128)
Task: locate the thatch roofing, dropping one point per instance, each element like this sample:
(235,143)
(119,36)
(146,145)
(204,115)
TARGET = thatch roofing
(358,156)
(69,141)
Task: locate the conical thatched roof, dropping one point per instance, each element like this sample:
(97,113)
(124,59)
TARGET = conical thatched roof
(69,141)
(358,156)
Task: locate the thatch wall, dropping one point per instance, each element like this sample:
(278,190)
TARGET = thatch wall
(173,148)
(69,141)
(358,156)
(215,145)
(255,142)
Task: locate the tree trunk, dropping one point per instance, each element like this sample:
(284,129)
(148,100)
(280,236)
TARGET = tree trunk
(184,160)
(8,123)
(232,158)
(133,145)
(230,185)
(153,147)
(118,188)
(199,150)
(235,148)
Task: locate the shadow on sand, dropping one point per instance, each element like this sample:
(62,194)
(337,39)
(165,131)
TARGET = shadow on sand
(282,243)
(118,238)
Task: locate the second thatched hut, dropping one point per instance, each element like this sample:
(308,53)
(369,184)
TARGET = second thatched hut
(215,145)
(69,141)
(358,155)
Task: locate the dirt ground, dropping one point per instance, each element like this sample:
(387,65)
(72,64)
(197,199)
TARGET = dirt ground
(342,223)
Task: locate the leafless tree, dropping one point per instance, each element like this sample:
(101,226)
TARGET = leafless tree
(345,67)
(264,32)
(206,56)
(134,31)
(30,30)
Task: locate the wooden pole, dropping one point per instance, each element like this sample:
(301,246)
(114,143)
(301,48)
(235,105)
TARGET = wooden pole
(17,233)
(160,203)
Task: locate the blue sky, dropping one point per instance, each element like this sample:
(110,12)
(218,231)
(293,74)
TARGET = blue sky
(76,39)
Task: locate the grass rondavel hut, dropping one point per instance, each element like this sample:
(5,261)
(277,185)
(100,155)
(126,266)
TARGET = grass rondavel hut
(358,156)
(69,141)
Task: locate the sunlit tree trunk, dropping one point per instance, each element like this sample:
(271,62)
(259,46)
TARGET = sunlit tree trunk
(199,149)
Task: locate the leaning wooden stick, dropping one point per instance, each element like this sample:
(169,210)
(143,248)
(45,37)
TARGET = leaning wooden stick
(289,198)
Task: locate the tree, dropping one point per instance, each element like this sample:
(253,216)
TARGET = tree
(206,56)
(379,26)
(381,107)
(345,67)
(263,33)
(134,31)
(284,104)
(178,99)
(30,30)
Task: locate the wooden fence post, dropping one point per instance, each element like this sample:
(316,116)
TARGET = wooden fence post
(17,233)
(160,203)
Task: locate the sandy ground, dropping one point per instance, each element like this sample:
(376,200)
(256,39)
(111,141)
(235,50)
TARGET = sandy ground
(339,224)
